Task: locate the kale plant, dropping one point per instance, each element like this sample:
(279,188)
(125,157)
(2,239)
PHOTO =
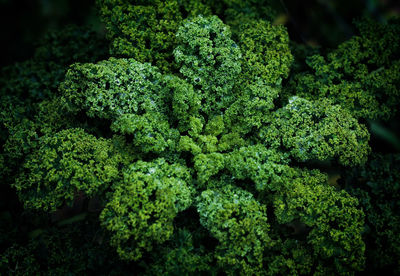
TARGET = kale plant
(200,143)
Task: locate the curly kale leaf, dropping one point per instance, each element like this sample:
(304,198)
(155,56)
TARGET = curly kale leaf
(266,61)
(239,223)
(209,60)
(335,219)
(144,204)
(317,130)
(135,96)
(65,164)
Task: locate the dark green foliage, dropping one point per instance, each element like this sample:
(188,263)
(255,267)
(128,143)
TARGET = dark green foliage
(236,12)
(362,74)
(67,163)
(290,257)
(3,167)
(38,78)
(334,217)
(26,125)
(180,256)
(27,91)
(377,186)
(300,53)
(60,251)
(19,260)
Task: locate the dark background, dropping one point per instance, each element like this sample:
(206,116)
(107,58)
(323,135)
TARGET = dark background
(24,22)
